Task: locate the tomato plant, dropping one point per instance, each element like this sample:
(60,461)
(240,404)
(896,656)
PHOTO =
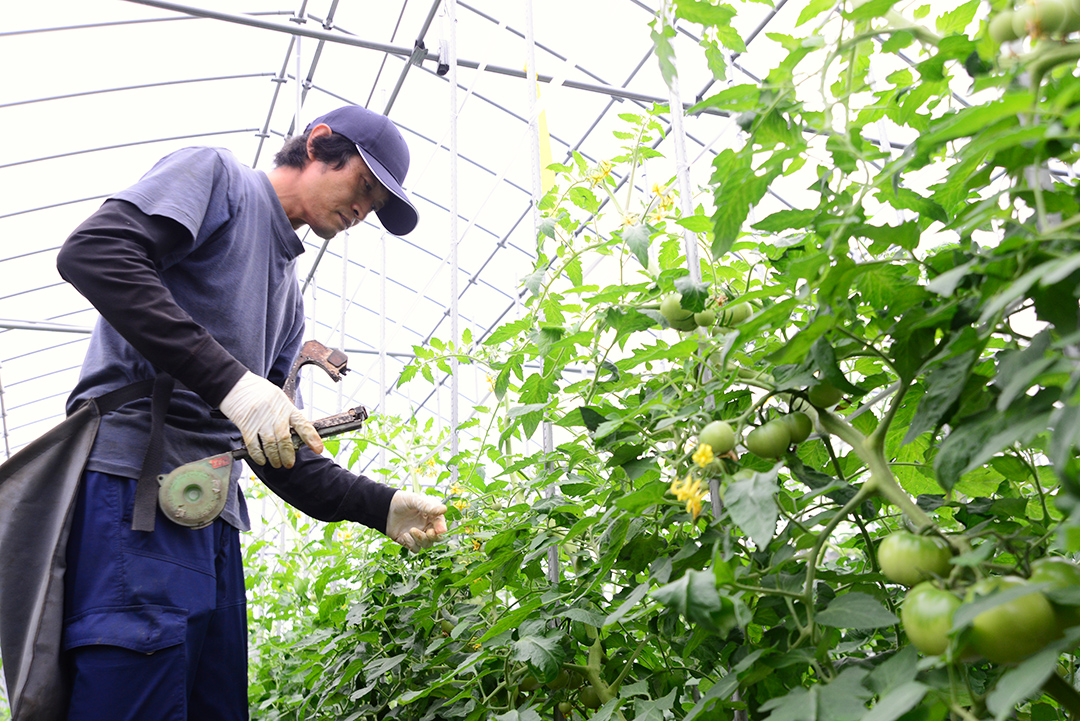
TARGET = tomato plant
(919,308)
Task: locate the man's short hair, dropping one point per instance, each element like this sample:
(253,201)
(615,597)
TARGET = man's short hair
(335,150)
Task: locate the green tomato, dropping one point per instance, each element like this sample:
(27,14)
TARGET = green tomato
(1050,16)
(770,440)
(1001,28)
(672,310)
(529,683)
(565,707)
(1013,630)
(909,559)
(1072,17)
(560,681)
(684,324)
(798,425)
(719,436)
(1058,573)
(705,318)
(927,617)
(824,394)
(589,698)
(1023,20)
(734,314)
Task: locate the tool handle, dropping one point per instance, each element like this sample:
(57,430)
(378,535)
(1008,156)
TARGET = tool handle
(327,427)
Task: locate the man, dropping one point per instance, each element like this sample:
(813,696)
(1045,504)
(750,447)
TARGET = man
(193,272)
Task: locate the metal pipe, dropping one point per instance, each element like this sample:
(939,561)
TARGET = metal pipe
(418,45)
(50,327)
(451,21)
(409,52)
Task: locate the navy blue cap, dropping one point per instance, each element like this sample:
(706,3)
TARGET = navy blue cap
(385,152)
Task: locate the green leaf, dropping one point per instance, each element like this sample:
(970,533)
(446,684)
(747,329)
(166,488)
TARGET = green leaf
(945,284)
(695,294)
(786,219)
(736,99)
(626,606)
(956,20)
(751,503)
(1022,682)
(523,714)
(637,239)
(665,53)
(870,9)
(541,652)
(825,360)
(897,702)
(944,385)
(799,704)
(978,439)
(719,691)
(704,12)
(897,671)
(651,494)
(695,597)
(534,281)
(813,9)
(696,223)
(737,188)
(514,618)
(796,349)
(844,698)
(654,710)
(582,615)
(856,610)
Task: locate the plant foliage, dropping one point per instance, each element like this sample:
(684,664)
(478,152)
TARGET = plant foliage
(627,571)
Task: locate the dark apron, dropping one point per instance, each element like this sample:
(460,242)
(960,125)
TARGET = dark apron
(37,493)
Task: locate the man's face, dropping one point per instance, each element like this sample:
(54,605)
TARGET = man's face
(336,199)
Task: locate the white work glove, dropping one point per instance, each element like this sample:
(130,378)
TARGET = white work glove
(415,521)
(266,418)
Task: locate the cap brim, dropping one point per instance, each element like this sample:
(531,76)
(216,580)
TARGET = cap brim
(399,215)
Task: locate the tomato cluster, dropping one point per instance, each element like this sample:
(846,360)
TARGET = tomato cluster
(685,320)
(1037,18)
(769,440)
(1007,631)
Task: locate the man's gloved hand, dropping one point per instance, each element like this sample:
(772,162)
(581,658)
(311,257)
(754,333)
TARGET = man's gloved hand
(415,521)
(266,418)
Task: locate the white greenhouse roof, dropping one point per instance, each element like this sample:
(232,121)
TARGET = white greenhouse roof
(97,90)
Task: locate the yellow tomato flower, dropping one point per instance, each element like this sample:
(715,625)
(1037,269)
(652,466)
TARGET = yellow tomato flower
(602,171)
(703,456)
(691,492)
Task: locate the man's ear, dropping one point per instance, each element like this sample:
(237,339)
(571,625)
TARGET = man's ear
(320,130)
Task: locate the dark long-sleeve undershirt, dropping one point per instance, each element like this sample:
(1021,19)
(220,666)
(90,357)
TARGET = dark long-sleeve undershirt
(112,259)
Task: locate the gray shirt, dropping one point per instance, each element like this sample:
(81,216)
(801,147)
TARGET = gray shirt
(234,291)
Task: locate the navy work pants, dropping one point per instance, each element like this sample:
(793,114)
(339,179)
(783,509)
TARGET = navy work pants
(155,624)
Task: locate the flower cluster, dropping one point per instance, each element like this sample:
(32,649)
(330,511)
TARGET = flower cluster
(664,203)
(703,456)
(690,491)
(603,170)
(459,503)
